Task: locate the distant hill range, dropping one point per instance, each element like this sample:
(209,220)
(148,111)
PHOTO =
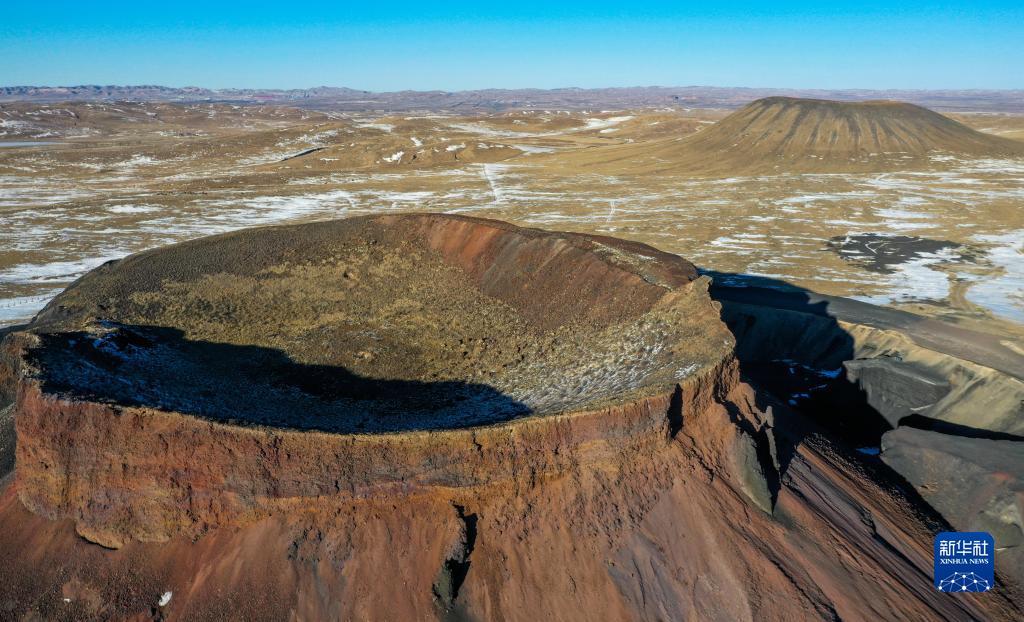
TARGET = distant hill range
(346,99)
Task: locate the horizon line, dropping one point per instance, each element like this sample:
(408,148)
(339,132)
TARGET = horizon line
(497,88)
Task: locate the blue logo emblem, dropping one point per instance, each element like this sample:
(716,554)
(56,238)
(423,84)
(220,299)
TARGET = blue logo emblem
(965,561)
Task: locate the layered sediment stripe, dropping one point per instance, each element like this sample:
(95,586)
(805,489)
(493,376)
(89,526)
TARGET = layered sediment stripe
(127,473)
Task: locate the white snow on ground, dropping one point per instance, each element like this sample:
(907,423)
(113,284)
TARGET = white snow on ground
(140,160)
(989,165)
(533,149)
(317,139)
(90,165)
(135,162)
(223,215)
(384,127)
(24,191)
(899,219)
(396,197)
(1002,294)
(394,157)
(21,308)
(683,372)
(230,214)
(808,199)
(53,272)
(738,241)
(597,124)
(483,130)
(491,172)
(133,209)
(15,126)
(165,599)
(416,142)
(455,147)
(915,280)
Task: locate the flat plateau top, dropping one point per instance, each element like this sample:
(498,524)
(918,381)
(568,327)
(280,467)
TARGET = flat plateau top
(381,324)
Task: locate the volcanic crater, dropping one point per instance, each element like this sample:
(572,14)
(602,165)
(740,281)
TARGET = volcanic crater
(362,329)
(380,324)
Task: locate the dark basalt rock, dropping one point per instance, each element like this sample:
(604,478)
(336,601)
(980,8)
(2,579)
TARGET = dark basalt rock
(976,484)
(896,389)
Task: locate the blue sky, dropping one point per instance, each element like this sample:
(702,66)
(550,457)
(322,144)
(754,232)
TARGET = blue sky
(514,44)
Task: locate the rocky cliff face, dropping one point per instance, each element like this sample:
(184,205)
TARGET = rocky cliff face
(225,419)
(949,426)
(128,473)
(637,524)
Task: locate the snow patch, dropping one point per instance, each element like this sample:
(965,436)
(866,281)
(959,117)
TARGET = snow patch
(1002,294)
(598,124)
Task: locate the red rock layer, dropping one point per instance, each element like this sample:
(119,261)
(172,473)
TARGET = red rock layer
(635,526)
(127,473)
(537,271)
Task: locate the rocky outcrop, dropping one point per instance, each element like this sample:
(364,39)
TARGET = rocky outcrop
(976,483)
(951,427)
(7,440)
(896,389)
(10,355)
(926,384)
(935,372)
(125,473)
